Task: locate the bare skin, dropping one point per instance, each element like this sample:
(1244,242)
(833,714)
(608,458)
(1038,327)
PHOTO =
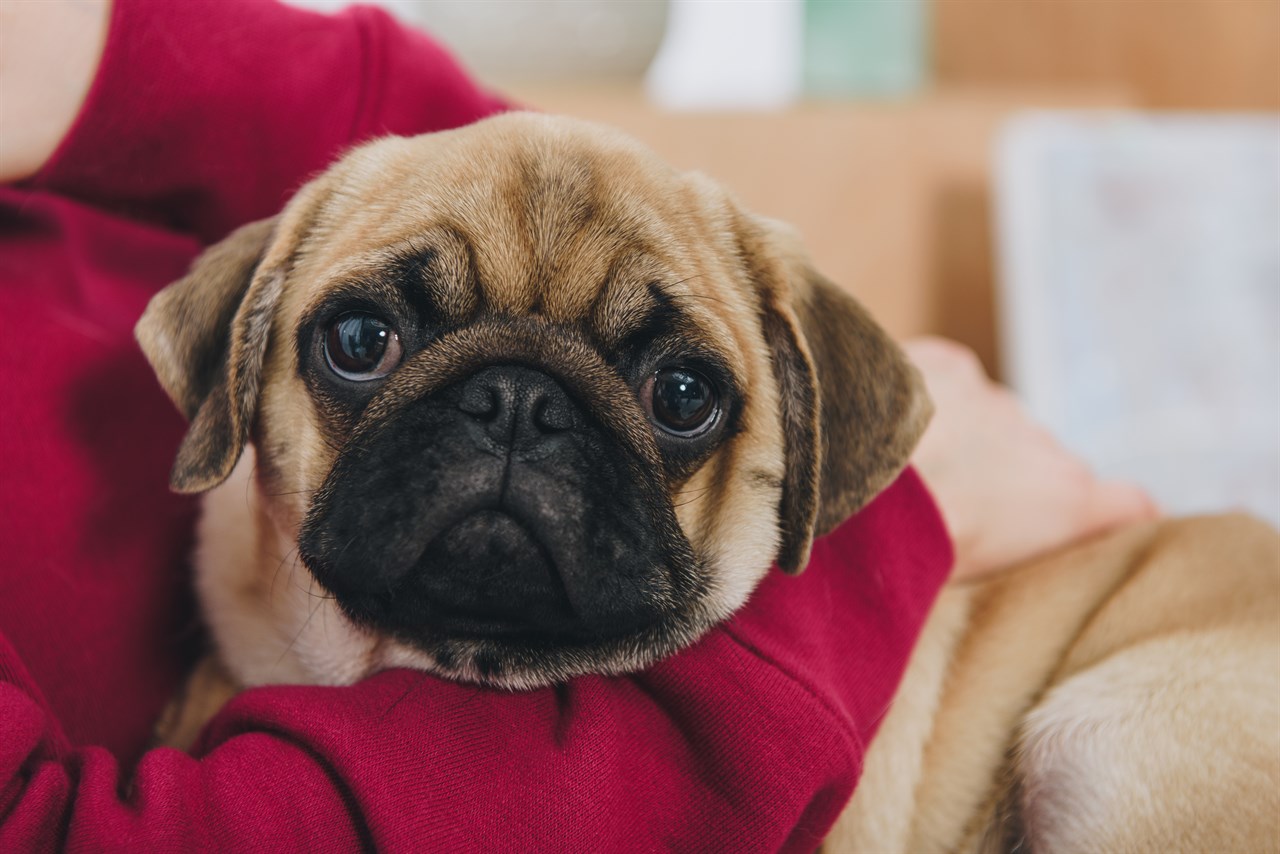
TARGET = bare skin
(49,53)
(1007,490)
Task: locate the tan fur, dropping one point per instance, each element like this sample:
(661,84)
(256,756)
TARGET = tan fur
(1123,695)
(1120,696)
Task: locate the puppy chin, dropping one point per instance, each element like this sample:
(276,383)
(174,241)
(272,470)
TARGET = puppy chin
(511,667)
(396,654)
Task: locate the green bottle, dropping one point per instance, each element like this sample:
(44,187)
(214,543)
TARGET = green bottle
(865,48)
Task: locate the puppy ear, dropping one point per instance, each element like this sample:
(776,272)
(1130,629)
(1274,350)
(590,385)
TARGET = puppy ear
(853,406)
(206,337)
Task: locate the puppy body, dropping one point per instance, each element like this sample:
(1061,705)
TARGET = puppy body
(1122,695)
(540,275)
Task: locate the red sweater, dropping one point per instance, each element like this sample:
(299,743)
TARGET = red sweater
(206,114)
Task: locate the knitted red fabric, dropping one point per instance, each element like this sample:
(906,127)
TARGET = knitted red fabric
(206,114)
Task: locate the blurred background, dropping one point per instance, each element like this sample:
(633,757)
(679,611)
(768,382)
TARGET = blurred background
(1086,192)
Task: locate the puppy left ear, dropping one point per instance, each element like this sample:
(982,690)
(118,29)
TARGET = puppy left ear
(206,337)
(852,405)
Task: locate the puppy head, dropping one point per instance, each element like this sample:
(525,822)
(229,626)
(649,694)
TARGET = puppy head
(529,402)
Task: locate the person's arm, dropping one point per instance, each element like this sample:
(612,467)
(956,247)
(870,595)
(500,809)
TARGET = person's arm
(202,115)
(752,740)
(49,54)
(207,114)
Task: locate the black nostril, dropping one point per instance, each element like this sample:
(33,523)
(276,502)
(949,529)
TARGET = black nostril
(480,400)
(551,414)
(517,405)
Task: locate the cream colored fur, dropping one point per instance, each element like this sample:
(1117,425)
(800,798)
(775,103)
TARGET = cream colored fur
(1121,696)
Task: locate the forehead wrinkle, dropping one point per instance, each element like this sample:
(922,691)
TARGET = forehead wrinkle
(462,208)
(584,207)
(501,248)
(447,272)
(590,265)
(638,245)
(558,190)
(665,327)
(622,311)
(625,297)
(496,250)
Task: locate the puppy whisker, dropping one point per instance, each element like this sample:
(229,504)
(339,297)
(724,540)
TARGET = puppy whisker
(687,279)
(288,649)
(271,591)
(703,297)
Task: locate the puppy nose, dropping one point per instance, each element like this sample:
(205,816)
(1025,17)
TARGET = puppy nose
(516,405)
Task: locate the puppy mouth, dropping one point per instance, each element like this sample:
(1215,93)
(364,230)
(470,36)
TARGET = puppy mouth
(506,583)
(507,557)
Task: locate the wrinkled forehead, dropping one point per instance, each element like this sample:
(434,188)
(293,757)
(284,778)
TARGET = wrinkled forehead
(521,219)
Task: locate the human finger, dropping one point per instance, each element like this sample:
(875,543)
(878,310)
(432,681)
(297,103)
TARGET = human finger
(1114,503)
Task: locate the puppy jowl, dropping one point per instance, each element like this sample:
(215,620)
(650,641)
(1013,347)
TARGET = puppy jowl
(513,403)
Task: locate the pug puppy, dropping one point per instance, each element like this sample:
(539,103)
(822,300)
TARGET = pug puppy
(527,403)
(519,402)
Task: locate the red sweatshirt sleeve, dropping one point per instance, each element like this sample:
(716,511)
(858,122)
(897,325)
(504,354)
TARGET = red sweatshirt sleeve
(207,114)
(752,740)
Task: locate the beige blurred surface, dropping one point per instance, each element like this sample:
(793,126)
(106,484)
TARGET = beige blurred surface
(1166,54)
(891,199)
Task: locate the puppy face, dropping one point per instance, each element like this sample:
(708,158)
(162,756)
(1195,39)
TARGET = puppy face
(527,402)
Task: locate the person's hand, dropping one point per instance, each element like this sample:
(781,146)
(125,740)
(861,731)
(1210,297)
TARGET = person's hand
(1007,490)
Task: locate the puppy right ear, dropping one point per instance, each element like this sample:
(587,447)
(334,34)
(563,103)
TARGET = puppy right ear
(852,405)
(206,337)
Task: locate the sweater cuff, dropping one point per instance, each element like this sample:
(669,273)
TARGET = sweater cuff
(932,524)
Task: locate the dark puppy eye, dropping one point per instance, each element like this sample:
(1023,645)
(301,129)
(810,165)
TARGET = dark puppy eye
(361,346)
(682,402)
